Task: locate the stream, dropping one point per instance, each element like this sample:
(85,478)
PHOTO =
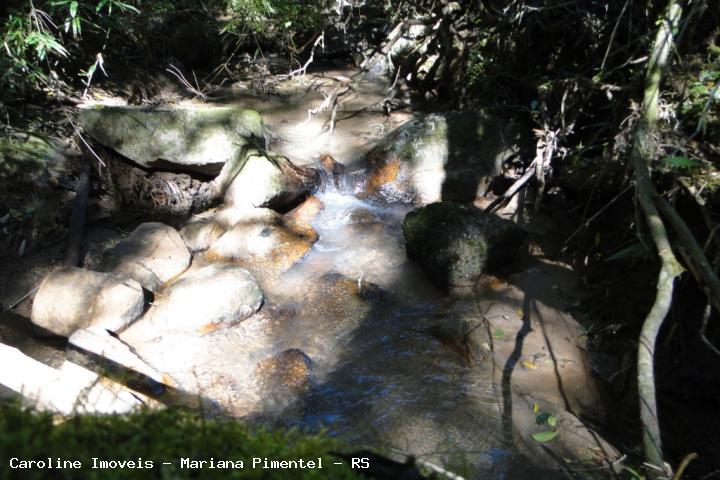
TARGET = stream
(367,320)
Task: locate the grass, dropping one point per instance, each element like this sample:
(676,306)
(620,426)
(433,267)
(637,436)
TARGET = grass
(150,438)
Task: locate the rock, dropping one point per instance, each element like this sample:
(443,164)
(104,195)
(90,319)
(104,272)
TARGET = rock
(268,180)
(152,254)
(331,170)
(287,370)
(203,300)
(437,157)
(455,244)
(301,217)
(94,347)
(267,245)
(200,234)
(72,298)
(228,217)
(68,390)
(179,138)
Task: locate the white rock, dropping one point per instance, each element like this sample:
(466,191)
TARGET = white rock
(203,300)
(73,298)
(67,390)
(152,254)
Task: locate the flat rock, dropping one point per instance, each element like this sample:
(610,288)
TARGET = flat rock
(154,253)
(203,300)
(179,138)
(70,389)
(96,347)
(72,298)
(266,244)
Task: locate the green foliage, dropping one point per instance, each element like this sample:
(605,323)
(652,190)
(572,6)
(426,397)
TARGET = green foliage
(166,435)
(35,43)
(272,20)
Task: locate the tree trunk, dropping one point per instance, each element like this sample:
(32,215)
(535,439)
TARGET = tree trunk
(643,149)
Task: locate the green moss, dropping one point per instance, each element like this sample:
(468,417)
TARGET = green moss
(155,436)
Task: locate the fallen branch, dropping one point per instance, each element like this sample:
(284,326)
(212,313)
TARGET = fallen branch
(302,70)
(514,188)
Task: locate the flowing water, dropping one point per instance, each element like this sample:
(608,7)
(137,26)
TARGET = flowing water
(364,314)
(379,375)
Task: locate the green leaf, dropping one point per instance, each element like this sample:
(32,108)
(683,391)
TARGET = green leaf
(498,333)
(544,436)
(73,9)
(681,162)
(552,420)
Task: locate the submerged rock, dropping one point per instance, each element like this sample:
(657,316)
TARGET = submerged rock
(266,180)
(437,157)
(264,242)
(455,244)
(152,254)
(72,298)
(288,370)
(178,138)
(203,300)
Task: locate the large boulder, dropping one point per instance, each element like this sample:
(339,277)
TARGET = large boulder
(72,298)
(152,254)
(206,299)
(267,180)
(437,157)
(455,244)
(178,138)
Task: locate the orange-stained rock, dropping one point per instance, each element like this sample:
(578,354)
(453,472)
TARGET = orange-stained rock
(267,247)
(290,369)
(383,173)
(300,218)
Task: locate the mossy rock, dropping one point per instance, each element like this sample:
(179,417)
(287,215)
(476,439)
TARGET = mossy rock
(179,138)
(455,244)
(439,157)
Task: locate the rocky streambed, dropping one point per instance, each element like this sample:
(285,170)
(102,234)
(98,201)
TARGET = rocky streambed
(331,284)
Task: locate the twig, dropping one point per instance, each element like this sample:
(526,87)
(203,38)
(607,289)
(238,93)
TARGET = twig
(195,90)
(20,300)
(612,35)
(91,71)
(683,465)
(597,214)
(82,139)
(302,70)
(510,192)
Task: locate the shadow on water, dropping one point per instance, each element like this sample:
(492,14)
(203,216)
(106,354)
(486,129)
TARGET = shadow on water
(509,367)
